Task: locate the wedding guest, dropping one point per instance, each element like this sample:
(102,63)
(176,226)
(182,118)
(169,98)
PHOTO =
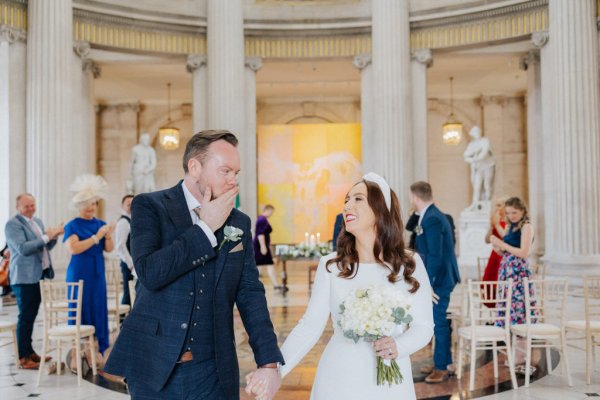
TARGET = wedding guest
(497,226)
(29,244)
(515,248)
(4,270)
(337,228)
(86,238)
(262,244)
(122,233)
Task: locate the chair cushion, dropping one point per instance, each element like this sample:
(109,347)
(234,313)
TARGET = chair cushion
(483,332)
(7,325)
(580,325)
(70,330)
(536,330)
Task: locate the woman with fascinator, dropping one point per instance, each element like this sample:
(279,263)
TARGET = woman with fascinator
(86,238)
(370,253)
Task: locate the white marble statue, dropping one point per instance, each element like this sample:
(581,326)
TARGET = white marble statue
(142,166)
(479,155)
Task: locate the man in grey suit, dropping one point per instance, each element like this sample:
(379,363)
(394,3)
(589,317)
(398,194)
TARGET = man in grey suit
(30,246)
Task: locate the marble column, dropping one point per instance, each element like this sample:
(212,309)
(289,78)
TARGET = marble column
(225,44)
(535,150)
(576,153)
(392,134)
(85,115)
(369,156)
(196,65)
(248,176)
(421,60)
(12,120)
(50,134)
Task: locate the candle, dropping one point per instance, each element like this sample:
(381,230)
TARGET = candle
(312,240)
(306,238)
(318,238)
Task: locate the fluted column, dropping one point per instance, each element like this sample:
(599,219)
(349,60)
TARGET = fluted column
(12,120)
(421,60)
(392,133)
(50,135)
(574,40)
(225,42)
(369,151)
(196,65)
(248,175)
(84,114)
(535,149)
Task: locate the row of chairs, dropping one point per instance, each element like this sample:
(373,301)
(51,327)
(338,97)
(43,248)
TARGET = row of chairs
(485,324)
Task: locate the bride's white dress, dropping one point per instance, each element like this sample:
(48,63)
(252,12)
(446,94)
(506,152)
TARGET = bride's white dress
(347,370)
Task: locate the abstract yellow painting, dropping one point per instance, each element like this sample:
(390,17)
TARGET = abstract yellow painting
(305,171)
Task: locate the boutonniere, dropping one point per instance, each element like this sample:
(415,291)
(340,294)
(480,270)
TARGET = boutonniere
(232,234)
(419,230)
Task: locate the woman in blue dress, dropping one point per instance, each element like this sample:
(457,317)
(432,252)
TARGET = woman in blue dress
(86,238)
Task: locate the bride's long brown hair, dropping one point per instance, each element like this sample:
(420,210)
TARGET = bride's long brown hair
(389,241)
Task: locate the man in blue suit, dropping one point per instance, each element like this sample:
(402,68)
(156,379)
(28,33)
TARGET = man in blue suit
(29,244)
(193,255)
(435,245)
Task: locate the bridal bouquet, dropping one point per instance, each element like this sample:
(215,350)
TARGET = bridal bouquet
(372,313)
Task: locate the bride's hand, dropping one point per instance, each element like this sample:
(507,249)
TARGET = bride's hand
(386,348)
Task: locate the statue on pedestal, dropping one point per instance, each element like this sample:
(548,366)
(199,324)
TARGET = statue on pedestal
(142,166)
(479,155)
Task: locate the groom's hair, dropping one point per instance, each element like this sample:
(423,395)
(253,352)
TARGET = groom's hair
(197,147)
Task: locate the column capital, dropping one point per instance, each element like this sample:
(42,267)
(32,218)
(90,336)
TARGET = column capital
(362,61)
(195,61)
(11,35)
(423,56)
(539,39)
(532,57)
(254,63)
(82,49)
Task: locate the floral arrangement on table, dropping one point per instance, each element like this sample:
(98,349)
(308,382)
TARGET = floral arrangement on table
(311,247)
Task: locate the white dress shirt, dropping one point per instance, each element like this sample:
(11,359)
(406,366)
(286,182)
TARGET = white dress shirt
(122,231)
(193,203)
(422,213)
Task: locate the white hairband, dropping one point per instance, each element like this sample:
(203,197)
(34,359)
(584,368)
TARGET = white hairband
(383,185)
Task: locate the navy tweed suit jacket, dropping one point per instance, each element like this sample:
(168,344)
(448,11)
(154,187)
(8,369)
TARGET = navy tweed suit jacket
(166,248)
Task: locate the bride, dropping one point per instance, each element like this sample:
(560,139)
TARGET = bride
(370,251)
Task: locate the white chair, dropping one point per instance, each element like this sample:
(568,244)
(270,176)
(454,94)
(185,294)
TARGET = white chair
(546,328)
(539,271)
(57,315)
(458,311)
(114,291)
(487,337)
(8,326)
(590,326)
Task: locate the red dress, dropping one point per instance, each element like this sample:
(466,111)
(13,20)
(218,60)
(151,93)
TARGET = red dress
(493,266)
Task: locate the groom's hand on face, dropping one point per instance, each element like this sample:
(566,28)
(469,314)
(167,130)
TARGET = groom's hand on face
(214,212)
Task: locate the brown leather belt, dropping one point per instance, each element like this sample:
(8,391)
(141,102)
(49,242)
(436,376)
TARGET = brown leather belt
(185,357)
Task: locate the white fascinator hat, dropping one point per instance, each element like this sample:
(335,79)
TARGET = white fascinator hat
(88,188)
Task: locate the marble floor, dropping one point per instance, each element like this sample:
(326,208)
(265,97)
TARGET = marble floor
(285,311)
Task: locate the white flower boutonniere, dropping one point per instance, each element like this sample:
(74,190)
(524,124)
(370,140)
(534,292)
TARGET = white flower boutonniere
(419,230)
(232,234)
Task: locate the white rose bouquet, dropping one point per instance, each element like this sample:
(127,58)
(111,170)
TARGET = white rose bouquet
(372,313)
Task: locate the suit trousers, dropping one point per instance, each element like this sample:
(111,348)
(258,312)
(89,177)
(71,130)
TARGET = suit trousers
(442,353)
(127,276)
(193,380)
(29,298)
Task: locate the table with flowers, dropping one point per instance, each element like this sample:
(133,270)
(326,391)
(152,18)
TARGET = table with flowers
(305,251)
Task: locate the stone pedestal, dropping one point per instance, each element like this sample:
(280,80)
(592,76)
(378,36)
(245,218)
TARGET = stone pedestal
(473,226)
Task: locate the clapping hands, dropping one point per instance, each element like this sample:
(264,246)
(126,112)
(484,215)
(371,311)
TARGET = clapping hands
(105,230)
(56,231)
(263,383)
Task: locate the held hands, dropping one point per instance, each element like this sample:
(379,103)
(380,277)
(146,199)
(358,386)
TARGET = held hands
(214,212)
(386,348)
(263,383)
(105,230)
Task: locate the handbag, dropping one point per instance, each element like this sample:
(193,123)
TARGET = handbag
(4,271)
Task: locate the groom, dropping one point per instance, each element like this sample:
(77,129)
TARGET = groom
(178,341)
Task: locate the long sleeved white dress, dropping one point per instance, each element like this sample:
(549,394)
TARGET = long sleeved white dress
(347,370)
